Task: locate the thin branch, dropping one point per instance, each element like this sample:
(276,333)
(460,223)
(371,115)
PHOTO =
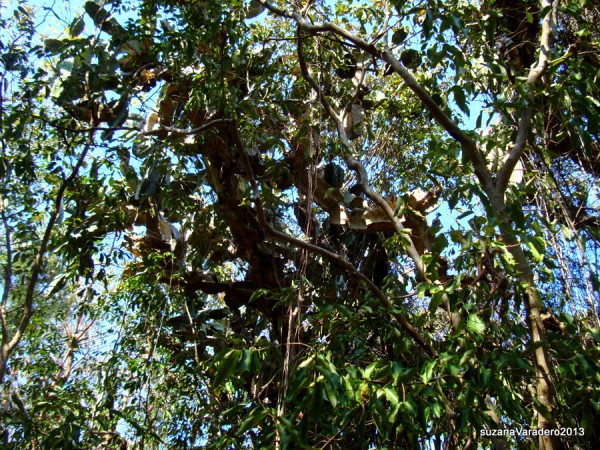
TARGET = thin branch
(386,26)
(7,233)
(40,258)
(88,129)
(7,272)
(545,392)
(178,132)
(342,428)
(548,30)
(468,145)
(356,165)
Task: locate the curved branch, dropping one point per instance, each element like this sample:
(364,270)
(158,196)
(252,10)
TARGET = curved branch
(535,73)
(179,132)
(533,304)
(354,164)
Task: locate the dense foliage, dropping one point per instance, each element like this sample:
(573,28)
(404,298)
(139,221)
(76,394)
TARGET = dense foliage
(311,224)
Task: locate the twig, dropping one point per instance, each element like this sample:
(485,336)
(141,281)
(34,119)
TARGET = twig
(176,132)
(342,428)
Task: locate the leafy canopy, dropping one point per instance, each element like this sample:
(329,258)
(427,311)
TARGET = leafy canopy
(300,224)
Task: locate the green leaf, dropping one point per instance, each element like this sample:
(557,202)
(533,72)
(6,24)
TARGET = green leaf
(54,45)
(255,416)
(331,394)
(57,283)
(475,323)
(368,371)
(227,366)
(409,406)
(466,356)
(391,395)
(427,372)
(461,99)
(436,300)
(247,361)
(77,26)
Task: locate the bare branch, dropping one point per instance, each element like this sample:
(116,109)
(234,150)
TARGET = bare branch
(88,129)
(178,132)
(535,73)
(354,164)
(7,272)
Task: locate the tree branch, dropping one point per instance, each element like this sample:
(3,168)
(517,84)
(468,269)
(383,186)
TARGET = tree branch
(7,272)
(533,304)
(178,132)
(535,73)
(40,258)
(356,165)
(348,267)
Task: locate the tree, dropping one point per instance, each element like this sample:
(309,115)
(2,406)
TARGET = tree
(307,224)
